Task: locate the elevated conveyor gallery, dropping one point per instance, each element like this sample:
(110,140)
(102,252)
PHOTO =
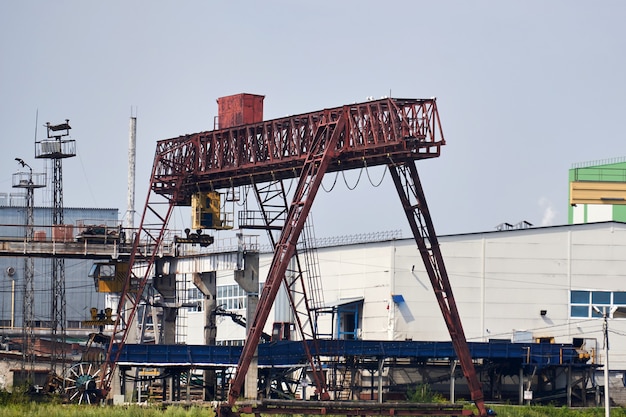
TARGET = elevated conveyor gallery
(432,362)
(291,353)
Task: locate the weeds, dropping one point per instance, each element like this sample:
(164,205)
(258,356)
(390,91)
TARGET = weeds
(18,404)
(422,393)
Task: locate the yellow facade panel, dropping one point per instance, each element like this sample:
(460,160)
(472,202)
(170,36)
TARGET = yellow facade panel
(596,192)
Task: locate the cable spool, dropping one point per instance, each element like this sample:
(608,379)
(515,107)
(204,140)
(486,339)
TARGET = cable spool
(10,271)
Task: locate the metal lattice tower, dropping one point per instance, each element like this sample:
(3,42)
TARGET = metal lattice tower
(57,149)
(28,181)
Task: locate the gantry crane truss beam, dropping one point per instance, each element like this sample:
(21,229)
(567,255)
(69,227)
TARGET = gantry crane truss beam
(376,131)
(392,132)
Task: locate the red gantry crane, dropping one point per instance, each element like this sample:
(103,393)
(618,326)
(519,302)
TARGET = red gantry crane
(246,150)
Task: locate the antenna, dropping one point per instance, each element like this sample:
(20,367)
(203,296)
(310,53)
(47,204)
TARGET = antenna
(36,122)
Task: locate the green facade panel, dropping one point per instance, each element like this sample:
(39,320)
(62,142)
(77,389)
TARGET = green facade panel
(612,170)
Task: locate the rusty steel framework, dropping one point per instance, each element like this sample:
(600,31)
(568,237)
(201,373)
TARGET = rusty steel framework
(389,131)
(375,133)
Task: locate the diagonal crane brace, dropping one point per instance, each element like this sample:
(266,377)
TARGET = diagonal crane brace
(323,150)
(413,200)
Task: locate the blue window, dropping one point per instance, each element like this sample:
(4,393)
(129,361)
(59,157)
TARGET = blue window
(579,311)
(582,302)
(619,298)
(580,297)
(601,297)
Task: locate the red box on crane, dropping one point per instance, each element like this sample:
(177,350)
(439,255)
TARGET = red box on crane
(239,109)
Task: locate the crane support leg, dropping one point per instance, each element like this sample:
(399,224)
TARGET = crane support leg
(150,236)
(323,150)
(413,200)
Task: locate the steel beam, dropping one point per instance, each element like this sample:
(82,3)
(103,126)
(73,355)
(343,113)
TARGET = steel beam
(411,194)
(151,232)
(277,149)
(328,134)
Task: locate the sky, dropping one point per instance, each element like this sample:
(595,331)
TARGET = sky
(524,90)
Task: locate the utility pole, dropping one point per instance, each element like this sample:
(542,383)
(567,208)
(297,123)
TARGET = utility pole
(29,181)
(606,312)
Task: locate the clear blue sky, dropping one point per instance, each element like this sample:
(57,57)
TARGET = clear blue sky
(524,88)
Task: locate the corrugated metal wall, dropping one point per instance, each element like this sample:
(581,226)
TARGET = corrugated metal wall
(80,290)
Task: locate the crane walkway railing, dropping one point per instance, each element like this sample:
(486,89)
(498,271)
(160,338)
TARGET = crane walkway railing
(69,241)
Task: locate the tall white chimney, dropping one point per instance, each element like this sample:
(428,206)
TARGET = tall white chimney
(129,222)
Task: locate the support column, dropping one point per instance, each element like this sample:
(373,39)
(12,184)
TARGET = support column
(164,282)
(584,380)
(188,388)
(381,366)
(166,286)
(206,282)
(124,388)
(248,279)
(568,371)
(521,387)
(452,381)
(176,383)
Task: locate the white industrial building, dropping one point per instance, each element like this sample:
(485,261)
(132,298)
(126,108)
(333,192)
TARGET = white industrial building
(538,283)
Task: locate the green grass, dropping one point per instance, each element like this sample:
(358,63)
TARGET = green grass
(67,410)
(21,407)
(546,411)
